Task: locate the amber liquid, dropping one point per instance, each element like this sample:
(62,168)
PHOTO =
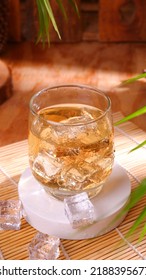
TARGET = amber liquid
(71,148)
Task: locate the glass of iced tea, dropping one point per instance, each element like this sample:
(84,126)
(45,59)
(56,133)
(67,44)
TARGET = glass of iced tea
(71,139)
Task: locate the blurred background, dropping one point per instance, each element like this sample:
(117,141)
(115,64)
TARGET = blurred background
(102,47)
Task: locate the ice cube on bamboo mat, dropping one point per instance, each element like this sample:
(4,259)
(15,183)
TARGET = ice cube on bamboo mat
(44,247)
(10,214)
(1,255)
(79,210)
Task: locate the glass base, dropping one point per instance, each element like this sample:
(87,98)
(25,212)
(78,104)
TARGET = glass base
(46,214)
(61,194)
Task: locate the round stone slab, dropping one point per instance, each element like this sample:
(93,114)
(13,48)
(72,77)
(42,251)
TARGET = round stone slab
(46,214)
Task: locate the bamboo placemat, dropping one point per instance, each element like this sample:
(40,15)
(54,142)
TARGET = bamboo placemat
(113,245)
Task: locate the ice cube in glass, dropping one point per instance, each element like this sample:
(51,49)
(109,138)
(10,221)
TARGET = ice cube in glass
(79,210)
(44,247)
(46,165)
(10,214)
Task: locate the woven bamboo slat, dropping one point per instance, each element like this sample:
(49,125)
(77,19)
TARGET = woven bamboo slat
(14,244)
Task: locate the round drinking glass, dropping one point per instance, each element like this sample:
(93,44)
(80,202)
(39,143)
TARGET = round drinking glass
(71,139)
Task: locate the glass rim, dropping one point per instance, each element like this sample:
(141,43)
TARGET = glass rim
(81,86)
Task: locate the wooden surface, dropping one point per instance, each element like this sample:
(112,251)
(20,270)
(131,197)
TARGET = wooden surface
(14,20)
(14,244)
(101,65)
(122,20)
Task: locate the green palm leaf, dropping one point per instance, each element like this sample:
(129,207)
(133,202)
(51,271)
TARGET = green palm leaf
(140,191)
(41,34)
(133,79)
(51,15)
(46,24)
(136,195)
(138,221)
(138,146)
(75,7)
(133,115)
(143,233)
(60,4)
(46,16)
